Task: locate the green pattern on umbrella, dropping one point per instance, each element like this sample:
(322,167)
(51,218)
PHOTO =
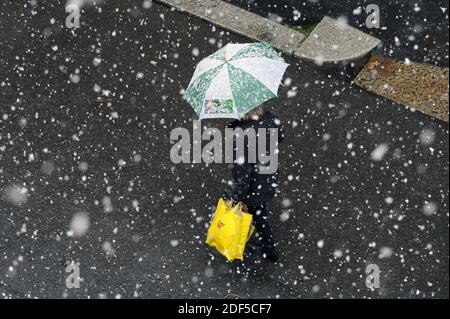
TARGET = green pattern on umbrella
(196,91)
(244,87)
(235,80)
(219,55)
(258,50)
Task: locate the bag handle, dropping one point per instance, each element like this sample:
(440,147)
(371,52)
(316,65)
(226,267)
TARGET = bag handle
(227,202)
(237,207)
(237,212)
(250,231)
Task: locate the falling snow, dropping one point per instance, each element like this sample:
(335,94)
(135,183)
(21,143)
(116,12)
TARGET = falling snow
(86,176)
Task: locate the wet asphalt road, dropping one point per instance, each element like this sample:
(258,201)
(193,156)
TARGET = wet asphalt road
(337,212)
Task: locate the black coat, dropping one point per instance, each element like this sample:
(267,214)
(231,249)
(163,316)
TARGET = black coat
(249,184)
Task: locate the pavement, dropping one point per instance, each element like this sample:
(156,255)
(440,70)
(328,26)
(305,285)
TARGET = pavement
(333,41)
(85,121)
(242,22)
(416,85)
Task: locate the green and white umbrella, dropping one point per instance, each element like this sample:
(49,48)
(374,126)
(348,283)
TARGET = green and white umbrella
(235,80)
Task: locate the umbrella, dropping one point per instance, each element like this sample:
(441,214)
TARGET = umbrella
(235,80)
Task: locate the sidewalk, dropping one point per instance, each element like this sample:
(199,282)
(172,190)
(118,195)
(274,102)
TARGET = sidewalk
(241,22)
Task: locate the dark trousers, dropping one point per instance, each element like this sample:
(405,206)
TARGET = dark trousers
(261,220)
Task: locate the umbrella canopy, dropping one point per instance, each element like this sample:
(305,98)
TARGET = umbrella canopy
(235,80)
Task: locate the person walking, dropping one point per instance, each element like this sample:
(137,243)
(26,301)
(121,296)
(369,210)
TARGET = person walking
(250,185)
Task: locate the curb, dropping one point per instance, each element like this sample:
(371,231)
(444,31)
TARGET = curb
(241,21)
(332,41)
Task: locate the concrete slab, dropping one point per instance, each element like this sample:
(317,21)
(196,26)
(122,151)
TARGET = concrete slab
(423,87)
(334,41)
(242,22)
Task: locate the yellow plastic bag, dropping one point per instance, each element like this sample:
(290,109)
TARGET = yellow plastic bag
(230,230)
